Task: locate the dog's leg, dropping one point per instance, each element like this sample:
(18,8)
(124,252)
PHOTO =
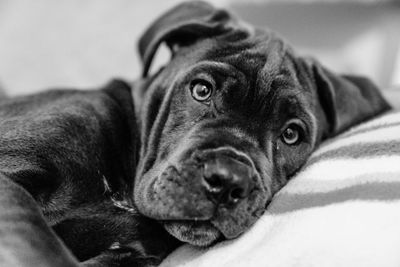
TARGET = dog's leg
(25,237)
(27,240)
(121,258)
(135,240)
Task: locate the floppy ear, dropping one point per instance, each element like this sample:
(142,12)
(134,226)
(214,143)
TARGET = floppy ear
(345,99)
(181,26)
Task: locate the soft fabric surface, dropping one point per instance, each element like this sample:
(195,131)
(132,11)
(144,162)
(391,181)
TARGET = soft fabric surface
(342,209)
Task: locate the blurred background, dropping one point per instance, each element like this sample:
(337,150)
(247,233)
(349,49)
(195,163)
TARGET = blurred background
(75,43)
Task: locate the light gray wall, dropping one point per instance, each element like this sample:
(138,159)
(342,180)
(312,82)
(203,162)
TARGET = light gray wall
(47,43)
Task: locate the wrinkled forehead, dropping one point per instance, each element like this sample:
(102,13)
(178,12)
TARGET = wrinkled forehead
(265,61)
(263,57)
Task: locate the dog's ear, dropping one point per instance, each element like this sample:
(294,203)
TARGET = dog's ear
(345,99)
(181,26)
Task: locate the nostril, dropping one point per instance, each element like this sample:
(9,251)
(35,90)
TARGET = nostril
(215,183)
(237,193)
(226,180)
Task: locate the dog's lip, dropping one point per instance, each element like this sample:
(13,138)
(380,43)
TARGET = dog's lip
(198,233)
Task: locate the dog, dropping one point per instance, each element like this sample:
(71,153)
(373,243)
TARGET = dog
(122,175)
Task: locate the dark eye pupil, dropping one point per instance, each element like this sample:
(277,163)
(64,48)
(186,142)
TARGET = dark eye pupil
(289,133)
(201,91)
(290,136)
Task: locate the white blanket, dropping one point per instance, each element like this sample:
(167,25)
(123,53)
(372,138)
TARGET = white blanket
(342,209)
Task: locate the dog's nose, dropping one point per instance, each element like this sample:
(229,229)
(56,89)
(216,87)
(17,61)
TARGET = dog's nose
(227,180)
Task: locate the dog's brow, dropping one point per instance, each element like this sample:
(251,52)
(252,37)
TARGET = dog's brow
(240,134)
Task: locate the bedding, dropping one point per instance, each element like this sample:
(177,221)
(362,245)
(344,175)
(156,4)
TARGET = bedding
(341,209)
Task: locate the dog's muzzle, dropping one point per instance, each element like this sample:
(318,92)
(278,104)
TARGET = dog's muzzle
(207,195)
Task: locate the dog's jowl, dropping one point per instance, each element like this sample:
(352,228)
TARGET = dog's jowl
(192,153)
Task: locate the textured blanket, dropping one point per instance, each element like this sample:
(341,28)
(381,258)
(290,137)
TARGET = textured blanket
(341,209)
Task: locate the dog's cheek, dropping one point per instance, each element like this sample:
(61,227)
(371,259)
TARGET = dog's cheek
(174,195)
(183,115)
(291,158)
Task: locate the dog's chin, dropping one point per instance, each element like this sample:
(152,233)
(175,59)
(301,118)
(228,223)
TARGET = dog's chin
(198,233)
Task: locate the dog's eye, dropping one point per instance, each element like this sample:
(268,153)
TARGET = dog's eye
(292,134)
(201,91)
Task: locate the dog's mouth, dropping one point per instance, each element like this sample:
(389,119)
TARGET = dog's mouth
(213,194)
(198,233)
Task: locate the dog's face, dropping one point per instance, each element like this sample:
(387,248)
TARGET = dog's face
(229,120)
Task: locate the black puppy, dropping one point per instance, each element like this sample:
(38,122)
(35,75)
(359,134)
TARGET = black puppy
(192,153)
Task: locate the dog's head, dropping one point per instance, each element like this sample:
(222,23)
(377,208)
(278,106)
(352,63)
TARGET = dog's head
(231,117)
